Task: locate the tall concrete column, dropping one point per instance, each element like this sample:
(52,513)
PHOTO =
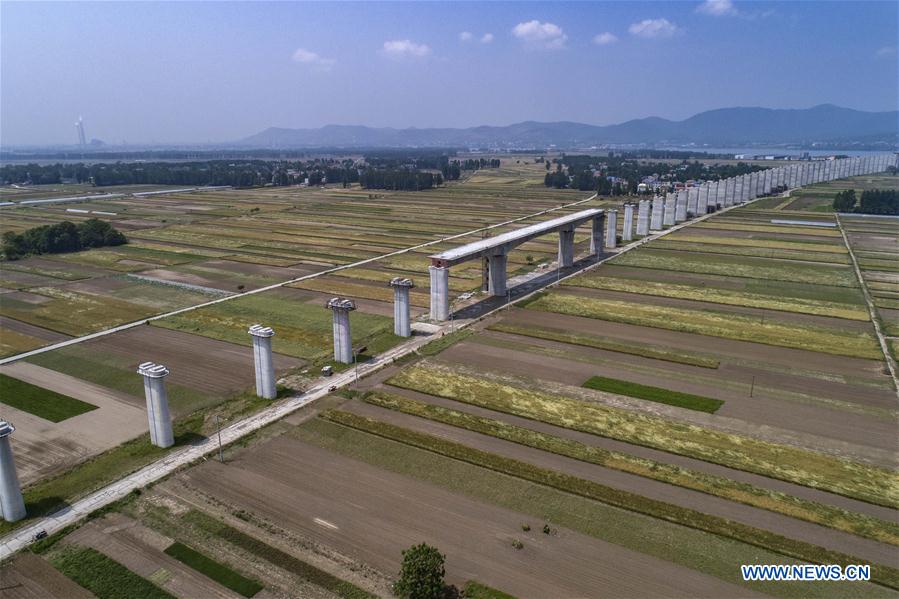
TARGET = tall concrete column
(627,230)
(702,199)
(668,218)
(721,193)
(643,217)
(343,338)
(611,229)
(158,415)
(439,292)
(730,192)
(566,247)
(597,234)
(401,319)
(497,285)
(711,201)
(747,182)
(12,506)
(658,213)
(263,360)
(680,206)
(692,201)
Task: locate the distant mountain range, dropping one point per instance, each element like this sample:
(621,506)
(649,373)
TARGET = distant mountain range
(826,124)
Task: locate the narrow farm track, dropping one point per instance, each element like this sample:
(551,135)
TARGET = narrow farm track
(884,346)
(182,457)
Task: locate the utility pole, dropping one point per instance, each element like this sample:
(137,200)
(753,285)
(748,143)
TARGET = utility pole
(218,426)
(752,386)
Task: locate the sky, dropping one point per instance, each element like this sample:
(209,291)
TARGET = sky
(182,72)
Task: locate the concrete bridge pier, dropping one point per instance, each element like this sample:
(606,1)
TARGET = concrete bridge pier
(401,317)
(658,213)
(343,338)
(692,201)
(597,234)
(670,208)
(627,231)
(439,292)
(497,273)
(680,206)
(160,419)
(566,247)
(643,218)
(262,359)
(12,506)
(611,229)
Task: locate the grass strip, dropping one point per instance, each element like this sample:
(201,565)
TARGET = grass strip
(103,576)
(41,402)
(715,324)
(728,297)
(793,464)
(630,348)
(476,590)
(657,394)
(438,345)
(718,486)
(218,572)
(275,556)
(883,575)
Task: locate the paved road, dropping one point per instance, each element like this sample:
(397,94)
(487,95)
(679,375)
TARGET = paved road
(22,537)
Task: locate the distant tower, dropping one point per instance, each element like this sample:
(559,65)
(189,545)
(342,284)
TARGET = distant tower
(12,506)
(79,126)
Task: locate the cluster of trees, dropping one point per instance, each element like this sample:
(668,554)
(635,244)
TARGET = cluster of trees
(873,201)
(399,180)
(590,173)
(62,237)
(453,169)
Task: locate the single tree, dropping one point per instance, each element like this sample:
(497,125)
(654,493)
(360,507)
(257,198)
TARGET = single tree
(421,575)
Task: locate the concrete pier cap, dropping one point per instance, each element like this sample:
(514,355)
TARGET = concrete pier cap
(257,330)
(401,282)
(152,370)
(341,303)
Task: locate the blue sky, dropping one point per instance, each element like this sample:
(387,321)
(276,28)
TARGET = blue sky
(215,71)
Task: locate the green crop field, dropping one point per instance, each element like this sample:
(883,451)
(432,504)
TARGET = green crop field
(548,495)
(739,266)
(103,576)
(304,330)
(764,498)
(655,352)
(665,396)
(218,572)
(506,394)
(41,402)
(716,324)
(721,296)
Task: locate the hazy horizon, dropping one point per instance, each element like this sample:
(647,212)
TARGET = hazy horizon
(216,72)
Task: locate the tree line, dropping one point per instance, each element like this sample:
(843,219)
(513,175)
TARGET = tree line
(591,173)
(61,237)
(873,201)
(399,180)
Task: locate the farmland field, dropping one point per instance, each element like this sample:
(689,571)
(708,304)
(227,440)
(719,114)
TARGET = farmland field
(715,397)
